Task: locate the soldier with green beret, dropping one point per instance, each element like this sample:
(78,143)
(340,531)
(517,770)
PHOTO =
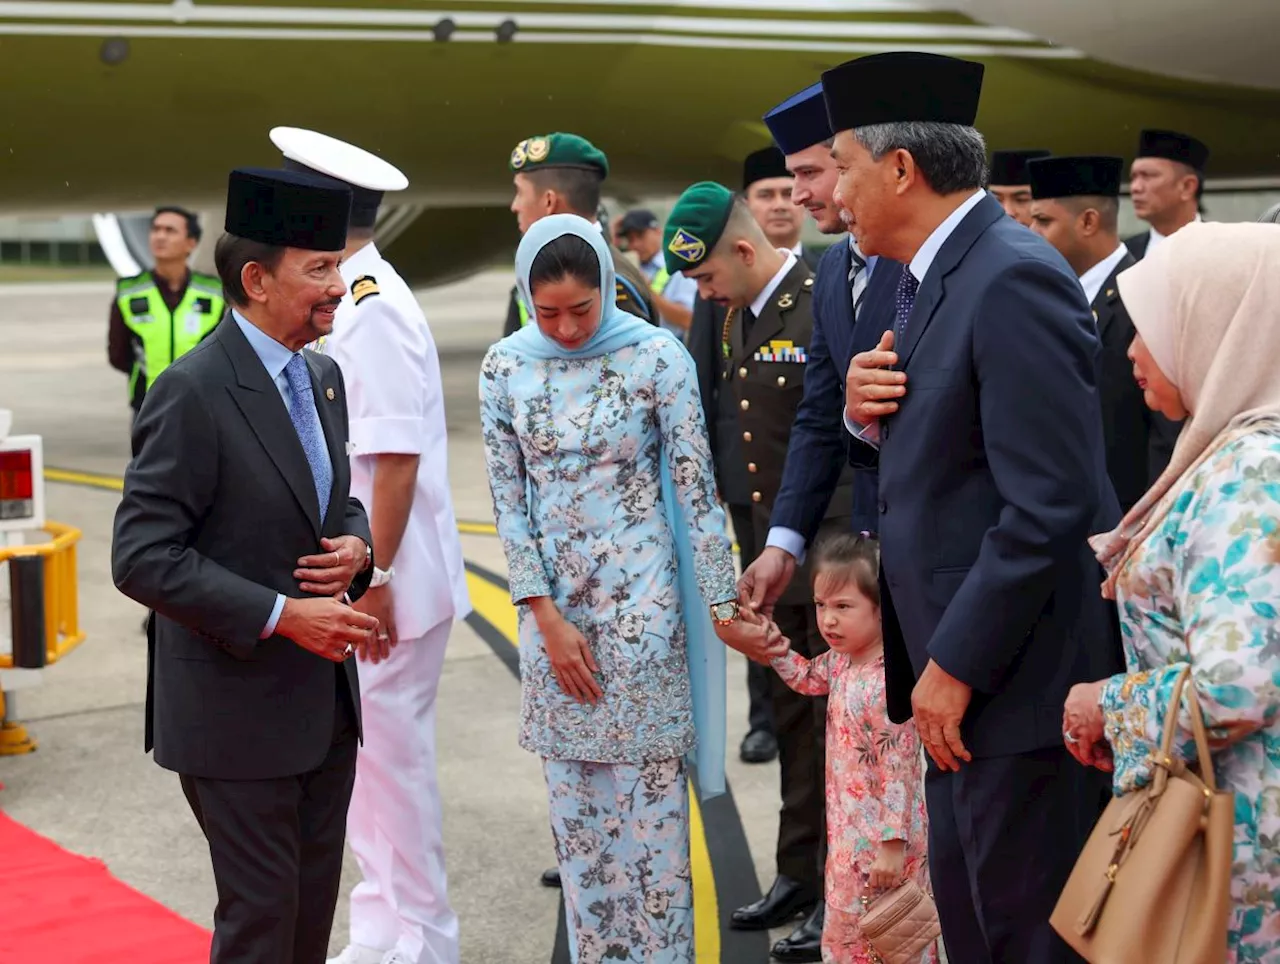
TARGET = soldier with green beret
(561,174)
(712,237)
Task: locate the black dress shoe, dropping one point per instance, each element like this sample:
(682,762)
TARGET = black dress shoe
(804,944)
(550,878)
(758,746)
(787,899)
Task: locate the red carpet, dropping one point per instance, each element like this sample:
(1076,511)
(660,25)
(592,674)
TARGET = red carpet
(60,908)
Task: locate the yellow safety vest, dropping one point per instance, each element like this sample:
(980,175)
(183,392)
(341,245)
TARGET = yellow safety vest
(524,312)
(167,337)
(659,282)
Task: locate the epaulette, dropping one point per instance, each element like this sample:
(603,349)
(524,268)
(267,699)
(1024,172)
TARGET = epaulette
(627,294)
(365,286)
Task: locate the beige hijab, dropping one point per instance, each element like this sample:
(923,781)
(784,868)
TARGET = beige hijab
(1207,304)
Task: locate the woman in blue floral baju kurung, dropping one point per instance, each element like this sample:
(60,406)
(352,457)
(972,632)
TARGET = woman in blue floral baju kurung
(576,446)
(1195,565)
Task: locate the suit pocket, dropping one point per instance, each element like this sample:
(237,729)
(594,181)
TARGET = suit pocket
(945,582)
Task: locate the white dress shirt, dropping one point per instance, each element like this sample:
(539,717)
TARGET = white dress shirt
(767,291)
(1155,237)
(1093,279)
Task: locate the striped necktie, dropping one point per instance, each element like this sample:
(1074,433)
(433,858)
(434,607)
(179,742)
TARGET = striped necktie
(857,279)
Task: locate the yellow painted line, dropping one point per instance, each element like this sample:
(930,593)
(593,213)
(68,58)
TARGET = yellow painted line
(493,604)
(91,479)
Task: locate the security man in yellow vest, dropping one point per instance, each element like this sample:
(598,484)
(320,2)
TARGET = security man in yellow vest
(161,314)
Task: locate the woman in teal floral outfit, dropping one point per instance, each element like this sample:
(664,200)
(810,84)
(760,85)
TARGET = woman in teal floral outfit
(1195,565)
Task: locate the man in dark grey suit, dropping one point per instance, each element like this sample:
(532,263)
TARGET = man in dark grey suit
(236,529)
(981,405)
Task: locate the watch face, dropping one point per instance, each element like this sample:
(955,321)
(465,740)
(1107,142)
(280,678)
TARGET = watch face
(725,610)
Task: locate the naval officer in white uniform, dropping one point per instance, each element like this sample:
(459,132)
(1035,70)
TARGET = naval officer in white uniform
(400,912)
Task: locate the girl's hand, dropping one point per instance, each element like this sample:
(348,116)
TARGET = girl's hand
(890,867)
(571,659)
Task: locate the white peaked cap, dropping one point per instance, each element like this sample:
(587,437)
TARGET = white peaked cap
(338,159)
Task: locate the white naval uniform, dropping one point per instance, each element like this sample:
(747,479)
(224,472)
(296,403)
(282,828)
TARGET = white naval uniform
(396,403)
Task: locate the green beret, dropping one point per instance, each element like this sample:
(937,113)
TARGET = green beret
(559,150)
(695,225)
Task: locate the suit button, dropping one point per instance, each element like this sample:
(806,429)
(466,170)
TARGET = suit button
(782,381)
(751,467)
(756,497)
(746,436)
(744,404)
(742,372)
(883,507)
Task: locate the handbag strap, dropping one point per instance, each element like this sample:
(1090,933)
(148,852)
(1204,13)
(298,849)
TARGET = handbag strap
(1197,728)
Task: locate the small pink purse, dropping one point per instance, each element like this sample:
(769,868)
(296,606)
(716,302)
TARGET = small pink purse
(900,924)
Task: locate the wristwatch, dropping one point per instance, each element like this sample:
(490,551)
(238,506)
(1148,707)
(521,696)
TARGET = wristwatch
(368,557)
(381,577)
(725,613)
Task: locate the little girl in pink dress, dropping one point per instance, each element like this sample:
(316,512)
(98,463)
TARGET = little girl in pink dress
(876,826)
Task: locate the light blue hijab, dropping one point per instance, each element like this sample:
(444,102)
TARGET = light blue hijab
(619,329)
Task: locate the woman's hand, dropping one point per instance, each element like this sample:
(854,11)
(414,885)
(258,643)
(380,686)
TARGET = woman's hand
(1082,726)
(567,650)
(890,867)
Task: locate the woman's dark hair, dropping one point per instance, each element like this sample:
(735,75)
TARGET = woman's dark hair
(231,254)
(568,256)
(851,557)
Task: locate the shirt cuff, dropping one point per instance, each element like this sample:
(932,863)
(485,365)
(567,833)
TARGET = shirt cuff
(863,433)
(788,540)
(270,628)
(386,436)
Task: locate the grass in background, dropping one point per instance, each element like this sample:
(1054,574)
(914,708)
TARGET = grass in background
(19,273)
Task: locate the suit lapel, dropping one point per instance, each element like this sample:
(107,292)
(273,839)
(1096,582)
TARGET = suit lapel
(985,213)
(773,316)
(1104,310)
(263,408)
(326,397)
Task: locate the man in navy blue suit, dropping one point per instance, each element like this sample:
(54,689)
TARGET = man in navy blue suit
(980,407)
(852,305)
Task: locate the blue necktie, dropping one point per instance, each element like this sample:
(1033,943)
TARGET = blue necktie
(308,428)
(903,303)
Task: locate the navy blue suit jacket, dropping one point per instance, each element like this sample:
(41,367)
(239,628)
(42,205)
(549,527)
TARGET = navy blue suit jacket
(818,448)
(992,476)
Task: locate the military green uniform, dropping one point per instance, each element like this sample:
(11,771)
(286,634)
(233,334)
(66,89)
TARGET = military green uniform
(571,151)
(764,362)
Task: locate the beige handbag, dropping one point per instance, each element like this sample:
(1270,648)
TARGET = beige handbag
(1153,883)
(900,924)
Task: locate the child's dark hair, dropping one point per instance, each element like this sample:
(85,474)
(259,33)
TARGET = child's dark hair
(851,557)
(568,256)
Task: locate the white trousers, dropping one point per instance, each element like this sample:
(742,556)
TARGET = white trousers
(394,825)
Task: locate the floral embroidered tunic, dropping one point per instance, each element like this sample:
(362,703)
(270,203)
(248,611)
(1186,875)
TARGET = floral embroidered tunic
(1204,587)
(874,773)
(574,449)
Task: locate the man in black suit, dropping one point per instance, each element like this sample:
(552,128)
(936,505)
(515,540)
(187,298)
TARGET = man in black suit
(1166,181)
(981,406)
(1075,207)
(1009,181)
(236,529)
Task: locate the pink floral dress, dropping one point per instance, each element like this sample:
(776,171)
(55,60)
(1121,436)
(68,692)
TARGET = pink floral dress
(874,774)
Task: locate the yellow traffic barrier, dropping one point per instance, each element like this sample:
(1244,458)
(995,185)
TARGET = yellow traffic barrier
(61,629)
